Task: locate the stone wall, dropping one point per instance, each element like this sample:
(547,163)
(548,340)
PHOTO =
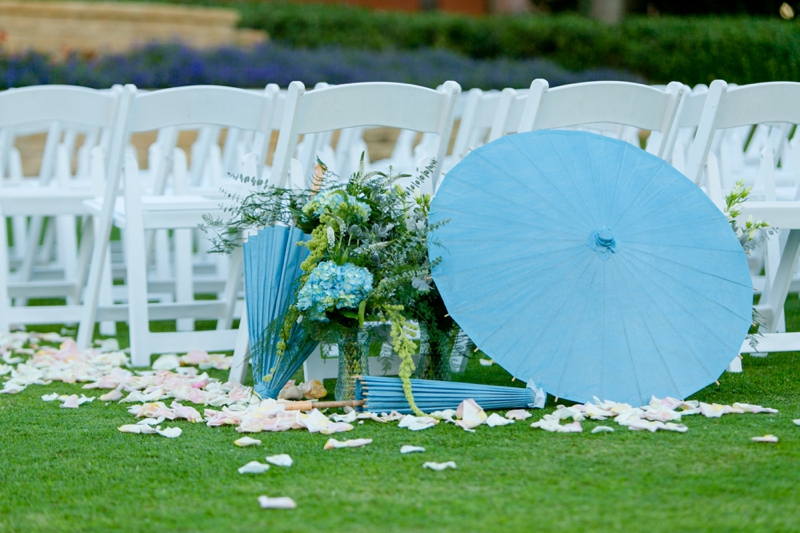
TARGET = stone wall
(89,27)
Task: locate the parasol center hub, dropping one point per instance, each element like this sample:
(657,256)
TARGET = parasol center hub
(602,241)
(605,238)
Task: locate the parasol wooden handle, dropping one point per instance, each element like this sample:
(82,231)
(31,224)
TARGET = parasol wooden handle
(309,405)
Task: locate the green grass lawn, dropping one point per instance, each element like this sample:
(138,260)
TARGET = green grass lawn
(71,470)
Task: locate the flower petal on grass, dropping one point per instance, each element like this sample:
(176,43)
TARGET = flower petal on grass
(411,449)
(417,423)
(603,429)
(713,410)
(139,428)
(572,427)
(796,422)
(283,502)
(168,361)
(765,438)
(111,396)
(348,417)
(280,460)
(50,397)
(353,443)
(439,466)
(471,414)
(518,414)
(253,467)
(170,433)
(495,420)
(747,408)
(187,412)
(486,362)
(247,441)
(70,402)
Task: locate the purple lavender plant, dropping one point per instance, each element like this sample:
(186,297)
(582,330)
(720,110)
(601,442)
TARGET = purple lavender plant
(158,66)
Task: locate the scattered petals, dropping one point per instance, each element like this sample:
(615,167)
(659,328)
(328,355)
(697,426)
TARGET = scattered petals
(495,420)
(348,417)
(280,460)
(518,414)
(471,414)
(411,449)
(440,466)
(603,429)
(50,397)
(417,423)
(167,362)
(247,441)
(283,502)
(254,467)
(139,428)
(447,414)
(170,433)
(353,443)
(765,438)
(112,396)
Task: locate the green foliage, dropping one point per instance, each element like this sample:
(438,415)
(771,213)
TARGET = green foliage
(692,50)
(753,232)
(738,49)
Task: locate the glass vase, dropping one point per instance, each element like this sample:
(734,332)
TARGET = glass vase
(435,352)
(353,361)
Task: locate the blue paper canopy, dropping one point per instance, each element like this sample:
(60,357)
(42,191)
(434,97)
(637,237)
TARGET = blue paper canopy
(271,267)
(590,267)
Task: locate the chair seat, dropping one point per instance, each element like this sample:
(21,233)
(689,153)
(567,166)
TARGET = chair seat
(164,212)
(45,201)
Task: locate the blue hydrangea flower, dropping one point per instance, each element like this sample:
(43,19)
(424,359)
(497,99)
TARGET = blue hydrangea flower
(338,202)
(331,286)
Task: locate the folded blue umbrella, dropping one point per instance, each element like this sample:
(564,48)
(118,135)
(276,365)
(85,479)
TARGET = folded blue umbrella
(383,395)
(591,267)
(272,261)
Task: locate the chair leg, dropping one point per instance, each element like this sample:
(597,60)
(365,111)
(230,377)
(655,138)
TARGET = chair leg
(232,284)
(240,363)
(5,302)
(184,279)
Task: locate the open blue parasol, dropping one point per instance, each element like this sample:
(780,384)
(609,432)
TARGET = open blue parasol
(271,267)
(590,267)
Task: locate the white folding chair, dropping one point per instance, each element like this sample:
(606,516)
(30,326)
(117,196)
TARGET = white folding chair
(379,104)
(180,212)
(744,106)
(603,102)
(55,194)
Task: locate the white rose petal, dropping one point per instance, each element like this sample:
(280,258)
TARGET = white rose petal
(170,433)
(439,466)
(280,460)
(276,503)
(411,449)
(765,438)
(247,441)
(254,467)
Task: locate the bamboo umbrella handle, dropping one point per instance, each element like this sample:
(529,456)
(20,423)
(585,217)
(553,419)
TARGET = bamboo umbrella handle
(308,405)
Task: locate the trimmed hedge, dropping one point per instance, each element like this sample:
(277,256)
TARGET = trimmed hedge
(693,50)
(662,49)
(169,65)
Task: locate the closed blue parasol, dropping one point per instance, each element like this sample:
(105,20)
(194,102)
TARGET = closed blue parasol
(383,395)
(271,267)
(590,267)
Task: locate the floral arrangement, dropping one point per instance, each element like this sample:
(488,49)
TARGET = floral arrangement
(750,235)
(368,262)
